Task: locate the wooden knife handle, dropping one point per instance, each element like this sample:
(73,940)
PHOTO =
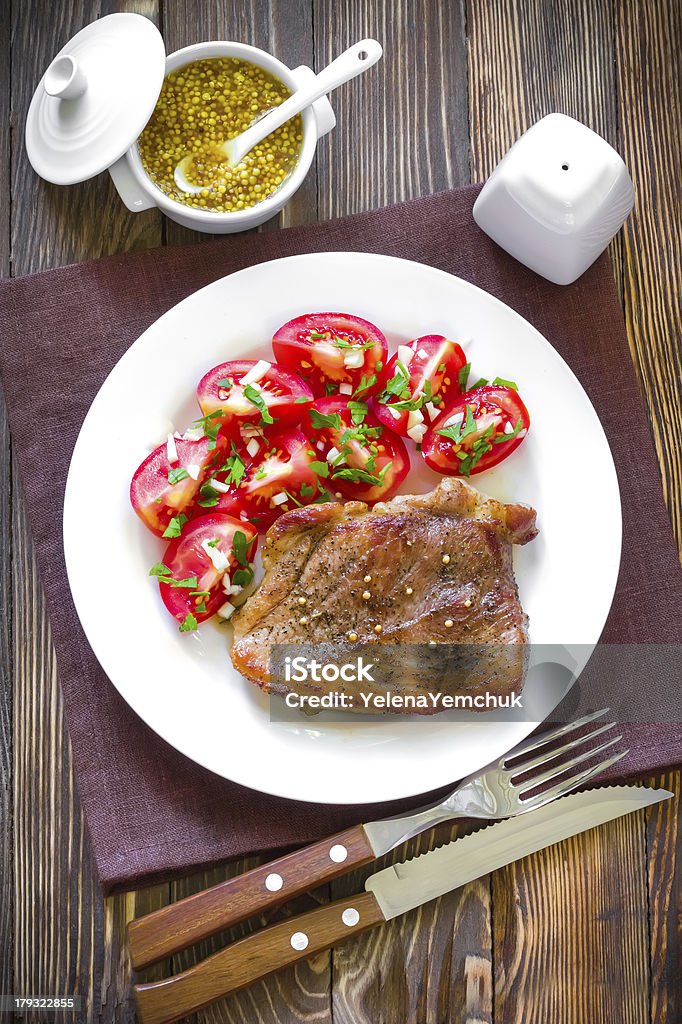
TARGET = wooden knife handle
(254,957)
(195,918)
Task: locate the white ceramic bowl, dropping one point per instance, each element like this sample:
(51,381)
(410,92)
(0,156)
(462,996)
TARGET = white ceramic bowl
(139,192)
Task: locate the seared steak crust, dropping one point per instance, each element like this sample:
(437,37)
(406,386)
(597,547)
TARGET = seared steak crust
(440,567)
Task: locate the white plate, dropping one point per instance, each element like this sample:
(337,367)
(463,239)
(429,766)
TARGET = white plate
(183,685)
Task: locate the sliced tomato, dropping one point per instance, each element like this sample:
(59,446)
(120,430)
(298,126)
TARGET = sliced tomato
(421,378)
(273,398)
(336,353)
(477,431)
(362,458)
(193,582)
(162,490)
(275,478)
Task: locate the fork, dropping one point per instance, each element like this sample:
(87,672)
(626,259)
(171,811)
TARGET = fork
(515,784)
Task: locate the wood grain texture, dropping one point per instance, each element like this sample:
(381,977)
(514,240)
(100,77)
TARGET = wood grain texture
(400,132)
(649,89)
(293,996)
(664,838)
(570,931)
(431,965)
(458,84)
(6,640)
(561,59)
(202,915)
(255,957)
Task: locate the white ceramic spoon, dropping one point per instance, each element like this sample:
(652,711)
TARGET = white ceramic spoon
(351,63)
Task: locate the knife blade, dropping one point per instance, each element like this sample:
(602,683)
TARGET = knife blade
(389,893)
(403,887)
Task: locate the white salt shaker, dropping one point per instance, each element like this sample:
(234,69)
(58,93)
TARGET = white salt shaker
(556,199)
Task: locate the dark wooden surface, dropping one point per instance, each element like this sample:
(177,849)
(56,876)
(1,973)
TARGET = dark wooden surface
(585,933)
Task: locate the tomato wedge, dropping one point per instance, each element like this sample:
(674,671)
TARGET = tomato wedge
(477,431)
(421,378)
(162,490)
(362,459)
(204,567)
(334,352)
(253,391)
(274,478)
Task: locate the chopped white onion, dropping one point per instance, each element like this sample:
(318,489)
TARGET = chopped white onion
(320,446)
(193,434)
(432,410)
(417,432)
(354,358)
(279,499)
(256,385)
(218,558)
(332,454)
(395,413)
(193,470)
(253,447)
(171,450)
(231,589)
(457,418)
(423,353)
(405,354)
(225,611)
(256,372)
(414,417)
(509,428)
(345,389)
(219,486)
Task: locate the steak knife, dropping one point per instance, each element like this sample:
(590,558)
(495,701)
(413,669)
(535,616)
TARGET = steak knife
(388,893)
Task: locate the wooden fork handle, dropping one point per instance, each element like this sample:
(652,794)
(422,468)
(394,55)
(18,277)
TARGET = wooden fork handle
(172,928)
(255,957)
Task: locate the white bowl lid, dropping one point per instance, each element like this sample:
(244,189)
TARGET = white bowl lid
(95,98)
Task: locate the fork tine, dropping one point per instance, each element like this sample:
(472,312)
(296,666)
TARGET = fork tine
(528,746)
(568,785)
(560,769)
(541,759)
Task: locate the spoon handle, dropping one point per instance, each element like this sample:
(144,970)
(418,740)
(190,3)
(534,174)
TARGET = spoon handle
(351,63)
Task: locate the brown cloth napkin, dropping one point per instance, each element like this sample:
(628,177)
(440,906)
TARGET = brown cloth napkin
(151,812)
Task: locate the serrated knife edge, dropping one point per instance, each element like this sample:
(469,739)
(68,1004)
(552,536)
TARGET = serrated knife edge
(403,886)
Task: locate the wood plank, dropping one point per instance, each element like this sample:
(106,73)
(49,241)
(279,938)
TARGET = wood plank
(570,931)
(569,48)
(431,965)
(664,838)
(402,128)
(6,645)
(649,89)
(65,941)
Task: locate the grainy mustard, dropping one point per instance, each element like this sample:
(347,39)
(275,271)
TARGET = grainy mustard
(201,105)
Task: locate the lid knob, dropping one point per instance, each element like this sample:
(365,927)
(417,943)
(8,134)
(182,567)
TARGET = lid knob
(65,79)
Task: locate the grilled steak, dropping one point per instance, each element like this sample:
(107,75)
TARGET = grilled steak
(421,569)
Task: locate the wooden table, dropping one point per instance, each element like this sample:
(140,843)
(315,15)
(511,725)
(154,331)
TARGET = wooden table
(589,931)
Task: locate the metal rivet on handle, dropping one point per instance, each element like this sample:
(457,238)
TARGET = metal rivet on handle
(299,940)
(338,853)
(274,882)
(350,916)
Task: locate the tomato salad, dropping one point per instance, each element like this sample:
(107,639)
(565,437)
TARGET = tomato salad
(327,421)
